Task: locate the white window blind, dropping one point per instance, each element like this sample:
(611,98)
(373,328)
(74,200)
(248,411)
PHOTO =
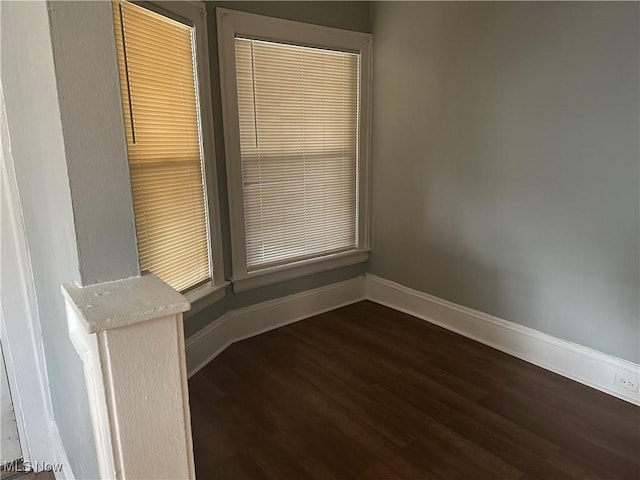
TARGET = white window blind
(298,119)
(157,75)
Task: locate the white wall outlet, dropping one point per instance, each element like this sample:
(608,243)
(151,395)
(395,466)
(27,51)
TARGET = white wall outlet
(627,380)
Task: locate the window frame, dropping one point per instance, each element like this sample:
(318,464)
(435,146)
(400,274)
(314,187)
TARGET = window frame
(232,23)
(194,14)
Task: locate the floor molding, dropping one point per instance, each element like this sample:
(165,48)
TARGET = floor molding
(582,364)
(205,345)
(579,363)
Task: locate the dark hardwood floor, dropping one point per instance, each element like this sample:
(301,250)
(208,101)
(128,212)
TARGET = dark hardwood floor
(365,392)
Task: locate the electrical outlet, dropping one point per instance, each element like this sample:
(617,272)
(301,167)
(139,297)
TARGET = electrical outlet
(627,381)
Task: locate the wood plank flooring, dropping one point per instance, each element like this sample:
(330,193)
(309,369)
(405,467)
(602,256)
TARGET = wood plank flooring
(365,392)
(15,474)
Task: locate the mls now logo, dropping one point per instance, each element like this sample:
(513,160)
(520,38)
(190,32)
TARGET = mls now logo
(19,466)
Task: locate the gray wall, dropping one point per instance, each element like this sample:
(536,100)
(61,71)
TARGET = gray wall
(506,162)
(91,113)
(35,130)
(346,15)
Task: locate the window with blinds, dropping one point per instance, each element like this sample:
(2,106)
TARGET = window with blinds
(298,122)
(161,117)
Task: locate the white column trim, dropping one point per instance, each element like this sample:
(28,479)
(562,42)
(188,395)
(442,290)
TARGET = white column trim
(129,335)
(21,332)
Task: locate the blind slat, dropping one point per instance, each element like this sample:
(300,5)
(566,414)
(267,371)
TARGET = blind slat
(157,78)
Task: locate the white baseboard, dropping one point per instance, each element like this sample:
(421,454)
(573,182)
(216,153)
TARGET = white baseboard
(236,325)
(206,344)
(579,363)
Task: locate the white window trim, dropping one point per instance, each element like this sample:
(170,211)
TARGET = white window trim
(231,24)
(194,13)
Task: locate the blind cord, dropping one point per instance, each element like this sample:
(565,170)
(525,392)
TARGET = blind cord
(126,74)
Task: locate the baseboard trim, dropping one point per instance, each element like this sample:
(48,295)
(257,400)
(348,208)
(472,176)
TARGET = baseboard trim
(582,364)
(577,362)
(208,343)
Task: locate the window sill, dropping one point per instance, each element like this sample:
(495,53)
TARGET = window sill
(299,269)
(204,296)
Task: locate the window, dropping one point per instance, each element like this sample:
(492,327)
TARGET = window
(296,112)
(162,119)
